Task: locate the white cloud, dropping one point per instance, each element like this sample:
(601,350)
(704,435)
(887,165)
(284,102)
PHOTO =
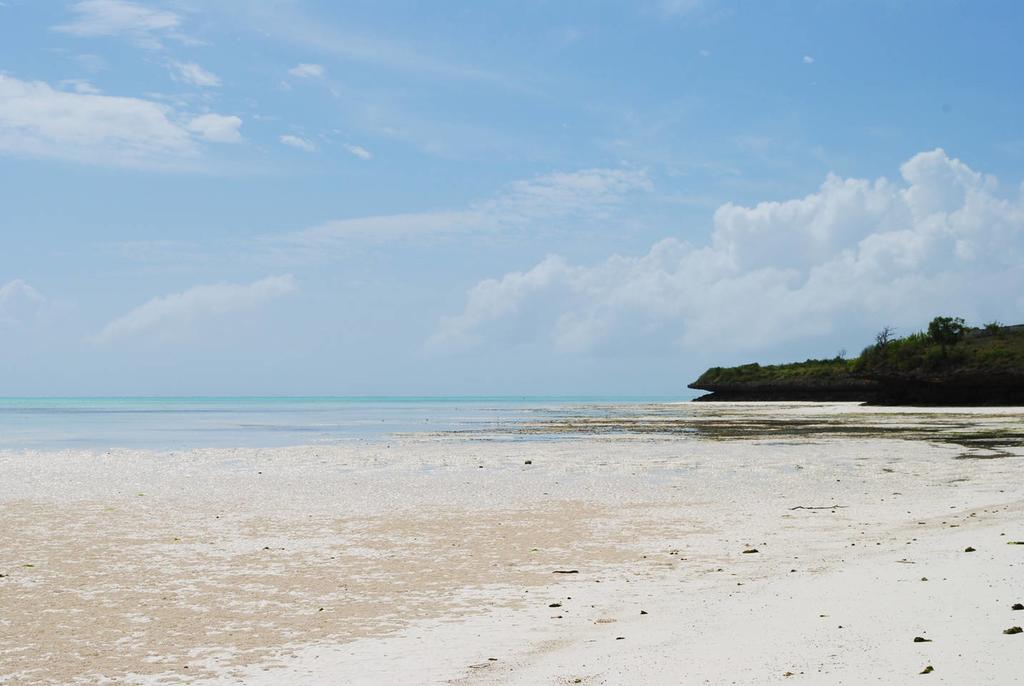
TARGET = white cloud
(40,121)
(539,203)
(307,71)
(190,72)
(297,142)
(37,120)
(80,86)
(172,316)
(143,25)
(359,151)
(19,303)
(856,254)
(808,59)
(218,128)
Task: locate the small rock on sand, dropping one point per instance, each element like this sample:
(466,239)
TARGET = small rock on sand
(1013,630)
(1017,606)
(921,639)
(968,549)
(927,670)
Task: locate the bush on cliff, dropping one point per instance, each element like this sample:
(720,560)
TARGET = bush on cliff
(948,347)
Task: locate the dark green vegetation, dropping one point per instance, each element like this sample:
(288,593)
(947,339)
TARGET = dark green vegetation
(988,350)
(809,380)
(950,364)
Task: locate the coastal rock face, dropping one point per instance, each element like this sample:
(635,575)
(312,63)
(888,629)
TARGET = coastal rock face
(822,390)
(952,389)
(880,389)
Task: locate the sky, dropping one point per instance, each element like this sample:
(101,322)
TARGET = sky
(291,197)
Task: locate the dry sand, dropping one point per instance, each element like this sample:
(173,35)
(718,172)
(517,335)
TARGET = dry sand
(435,559)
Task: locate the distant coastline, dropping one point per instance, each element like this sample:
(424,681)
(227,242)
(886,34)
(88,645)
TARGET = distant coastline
(949,364)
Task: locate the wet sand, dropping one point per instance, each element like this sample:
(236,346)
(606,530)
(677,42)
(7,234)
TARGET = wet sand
(616,556)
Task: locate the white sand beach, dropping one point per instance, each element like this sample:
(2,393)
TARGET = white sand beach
(628,557)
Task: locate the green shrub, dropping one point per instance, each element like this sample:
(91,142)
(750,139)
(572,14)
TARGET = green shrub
(946,330)
(948,346)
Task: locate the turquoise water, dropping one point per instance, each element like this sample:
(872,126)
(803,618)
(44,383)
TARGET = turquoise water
(194,422)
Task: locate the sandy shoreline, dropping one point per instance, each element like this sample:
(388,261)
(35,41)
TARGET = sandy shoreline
(416,561)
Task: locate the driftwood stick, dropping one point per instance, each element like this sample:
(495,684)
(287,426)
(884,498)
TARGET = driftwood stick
(815,507)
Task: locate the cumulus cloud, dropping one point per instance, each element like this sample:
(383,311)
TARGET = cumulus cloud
(218,128)
(808,59)
(190,72)
(297,142)
(19,303)
(592,194)
(172,316)
(143,25)
(359,151)
(856,254)
(307,71)
(39,121)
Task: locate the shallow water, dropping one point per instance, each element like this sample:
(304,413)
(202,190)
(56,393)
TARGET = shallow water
(200,422)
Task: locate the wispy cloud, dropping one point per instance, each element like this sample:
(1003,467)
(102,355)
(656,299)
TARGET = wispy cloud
(307,71)
(701,11)
(173,316)
(681,6)
(144,26)
(218,128)
(539,203)
(808,59)
(297,142)
(91,63)
(80,86)
(192,73)
(287,22)
(37,120)
(359,151)
(20,303)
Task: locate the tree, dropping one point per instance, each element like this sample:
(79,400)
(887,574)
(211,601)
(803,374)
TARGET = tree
(884,337)
(946,331)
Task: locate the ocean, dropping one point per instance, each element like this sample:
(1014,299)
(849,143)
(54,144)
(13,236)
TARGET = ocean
(169,423)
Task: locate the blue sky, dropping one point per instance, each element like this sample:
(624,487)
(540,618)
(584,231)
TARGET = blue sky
(301,197)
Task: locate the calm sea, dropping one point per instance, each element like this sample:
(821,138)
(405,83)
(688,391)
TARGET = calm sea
(171,423)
